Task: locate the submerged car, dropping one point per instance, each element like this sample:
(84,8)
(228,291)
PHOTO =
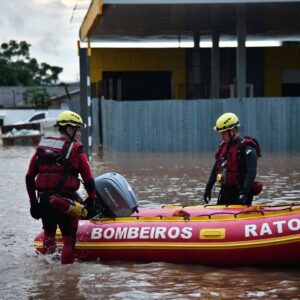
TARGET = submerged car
(40,117)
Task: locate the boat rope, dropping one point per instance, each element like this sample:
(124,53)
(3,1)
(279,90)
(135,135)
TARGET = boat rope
(249,212)
(263,210)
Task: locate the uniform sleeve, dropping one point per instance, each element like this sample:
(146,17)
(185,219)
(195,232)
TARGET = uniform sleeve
(212,178)
(251,165)
(86,174)
(30,178)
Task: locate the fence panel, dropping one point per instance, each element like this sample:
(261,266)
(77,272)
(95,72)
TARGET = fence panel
(186,125)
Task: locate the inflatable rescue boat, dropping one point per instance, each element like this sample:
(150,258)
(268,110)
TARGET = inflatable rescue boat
(210,235)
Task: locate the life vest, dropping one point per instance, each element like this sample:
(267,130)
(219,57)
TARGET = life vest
(52,166)
(230,165)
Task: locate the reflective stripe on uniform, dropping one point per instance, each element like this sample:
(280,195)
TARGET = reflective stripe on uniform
(57,144)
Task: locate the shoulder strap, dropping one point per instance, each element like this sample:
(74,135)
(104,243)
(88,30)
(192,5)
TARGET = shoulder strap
(220,148)
(248,140)
(66,163)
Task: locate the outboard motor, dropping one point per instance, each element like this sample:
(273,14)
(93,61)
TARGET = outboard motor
(116,195)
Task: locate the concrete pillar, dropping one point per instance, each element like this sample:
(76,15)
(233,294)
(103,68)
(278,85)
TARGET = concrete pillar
(215,65)
(196,68)
(241,51)
(85,100)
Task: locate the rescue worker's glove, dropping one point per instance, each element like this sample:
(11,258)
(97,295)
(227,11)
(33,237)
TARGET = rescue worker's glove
(207,194)
(90,206)
(243,200)
(89,202)
(77,210)
(35,209)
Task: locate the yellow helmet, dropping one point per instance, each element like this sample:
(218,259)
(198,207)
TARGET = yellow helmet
(227,121)
(69,118)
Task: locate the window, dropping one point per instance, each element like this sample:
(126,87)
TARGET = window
(131,85)
(37,117)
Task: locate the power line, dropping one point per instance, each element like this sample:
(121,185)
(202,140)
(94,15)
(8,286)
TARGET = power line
(80,6)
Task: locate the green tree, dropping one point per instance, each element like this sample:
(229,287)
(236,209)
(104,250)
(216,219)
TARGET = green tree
(18,68)
(37,96)
(14,51)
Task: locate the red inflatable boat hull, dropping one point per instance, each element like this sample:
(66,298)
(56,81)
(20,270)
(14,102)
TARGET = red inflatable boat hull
(211,235)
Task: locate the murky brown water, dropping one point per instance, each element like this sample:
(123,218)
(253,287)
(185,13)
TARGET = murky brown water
(156,179)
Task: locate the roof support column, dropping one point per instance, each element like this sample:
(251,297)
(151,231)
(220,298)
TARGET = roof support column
(241,52)
(196,68)
(85,99)
(215,65)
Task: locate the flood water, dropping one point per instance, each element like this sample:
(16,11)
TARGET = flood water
(157,179)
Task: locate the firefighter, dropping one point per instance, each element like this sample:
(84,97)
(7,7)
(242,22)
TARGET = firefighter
(235,165)
(52,181)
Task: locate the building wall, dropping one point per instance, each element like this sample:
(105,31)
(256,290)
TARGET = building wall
(277,60)
(265,67)
(255,70)
(13,95)
(140,60)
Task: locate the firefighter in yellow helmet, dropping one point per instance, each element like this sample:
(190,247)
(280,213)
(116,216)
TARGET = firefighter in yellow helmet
(52,181)
(70,118)
(235,165)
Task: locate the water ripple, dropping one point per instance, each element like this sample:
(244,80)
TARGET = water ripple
(157,179)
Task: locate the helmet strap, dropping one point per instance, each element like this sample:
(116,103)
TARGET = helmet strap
(230,136)
(72,137)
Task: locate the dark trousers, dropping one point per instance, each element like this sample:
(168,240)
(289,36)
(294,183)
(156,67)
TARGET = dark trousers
(68,225)
(52,218)
(230,196)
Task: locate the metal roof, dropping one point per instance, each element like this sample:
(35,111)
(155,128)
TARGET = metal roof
(130,20)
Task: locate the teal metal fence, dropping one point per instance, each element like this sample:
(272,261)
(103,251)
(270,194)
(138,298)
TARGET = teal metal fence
(186,125)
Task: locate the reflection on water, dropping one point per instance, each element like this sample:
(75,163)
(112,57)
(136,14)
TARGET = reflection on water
(156,179)
(180,178)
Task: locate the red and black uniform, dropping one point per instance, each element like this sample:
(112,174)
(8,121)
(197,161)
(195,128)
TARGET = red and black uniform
(44,176)
(235,169)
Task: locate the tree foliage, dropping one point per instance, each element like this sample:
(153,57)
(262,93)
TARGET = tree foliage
(18,68)
(37,96)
